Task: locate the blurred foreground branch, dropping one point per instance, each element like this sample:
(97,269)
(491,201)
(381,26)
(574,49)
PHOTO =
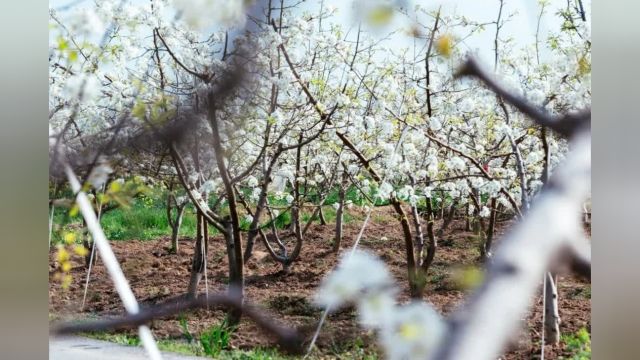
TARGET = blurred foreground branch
(481,328)
(289,339)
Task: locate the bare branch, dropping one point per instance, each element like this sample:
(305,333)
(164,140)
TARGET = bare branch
(288,338)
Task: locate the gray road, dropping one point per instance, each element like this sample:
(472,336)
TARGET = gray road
(80,348)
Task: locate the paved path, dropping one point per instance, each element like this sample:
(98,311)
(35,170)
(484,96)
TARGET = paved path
(80,348)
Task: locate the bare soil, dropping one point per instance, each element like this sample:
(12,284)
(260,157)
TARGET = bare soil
(156,276)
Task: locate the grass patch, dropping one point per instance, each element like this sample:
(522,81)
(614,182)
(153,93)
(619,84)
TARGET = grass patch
(353,349)
(144,219)
(194,348)
(584,293)
(578,345)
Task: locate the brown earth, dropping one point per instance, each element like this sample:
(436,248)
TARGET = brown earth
(157,276)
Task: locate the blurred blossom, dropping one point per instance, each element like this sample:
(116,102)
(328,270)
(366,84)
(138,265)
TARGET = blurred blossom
(414,332)
(100,173)
(357,273)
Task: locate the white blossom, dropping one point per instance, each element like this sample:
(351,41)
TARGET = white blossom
(435,124)
(485,212)
(343,100)
(376,310)
(252,181)
(357,273)
(414,332)
(289,198)
(208,187)
(385,190)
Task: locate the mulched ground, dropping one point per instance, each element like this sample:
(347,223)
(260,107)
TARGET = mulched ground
(157,276)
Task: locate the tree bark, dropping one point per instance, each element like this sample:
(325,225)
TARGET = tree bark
(175,231)
(340,214)
(448,219)
(197,265)
(323,220)
(237,281)
(485,251)
(174,223)
(551,313)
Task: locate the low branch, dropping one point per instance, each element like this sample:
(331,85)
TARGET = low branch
(289,339)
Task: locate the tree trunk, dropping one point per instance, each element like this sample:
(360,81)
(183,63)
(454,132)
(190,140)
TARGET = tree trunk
(432,247)
(339,218)
(197,266)
(175,231)
(485,250)
(236,283)
(323,220)
(231,253)
(419,237)
(467,223)
(448,219)
(414,288)
(551,313)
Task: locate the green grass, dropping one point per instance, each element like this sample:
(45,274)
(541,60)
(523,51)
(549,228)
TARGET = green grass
(216,339)
(145,218)
(578,345)
(194,348)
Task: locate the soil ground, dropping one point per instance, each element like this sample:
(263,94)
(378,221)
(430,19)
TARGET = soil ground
(156,276)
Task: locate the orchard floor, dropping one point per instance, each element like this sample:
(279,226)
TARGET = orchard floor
(157,276)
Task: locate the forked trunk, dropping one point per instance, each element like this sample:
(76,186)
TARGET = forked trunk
(323,220)
(175,229)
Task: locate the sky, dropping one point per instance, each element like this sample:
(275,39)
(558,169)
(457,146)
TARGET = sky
(522,26)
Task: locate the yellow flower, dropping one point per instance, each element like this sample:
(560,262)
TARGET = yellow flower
(66,281)
(63,255)
(80,250)
(69,238)
(73,212)
(66,266)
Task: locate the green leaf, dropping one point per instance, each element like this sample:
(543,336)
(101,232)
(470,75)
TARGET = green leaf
(62,44)
(73,56)
(139,110)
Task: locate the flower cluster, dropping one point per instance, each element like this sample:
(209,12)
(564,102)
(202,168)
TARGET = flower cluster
(408,331)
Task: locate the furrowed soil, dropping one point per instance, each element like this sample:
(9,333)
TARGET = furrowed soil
(157,276)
